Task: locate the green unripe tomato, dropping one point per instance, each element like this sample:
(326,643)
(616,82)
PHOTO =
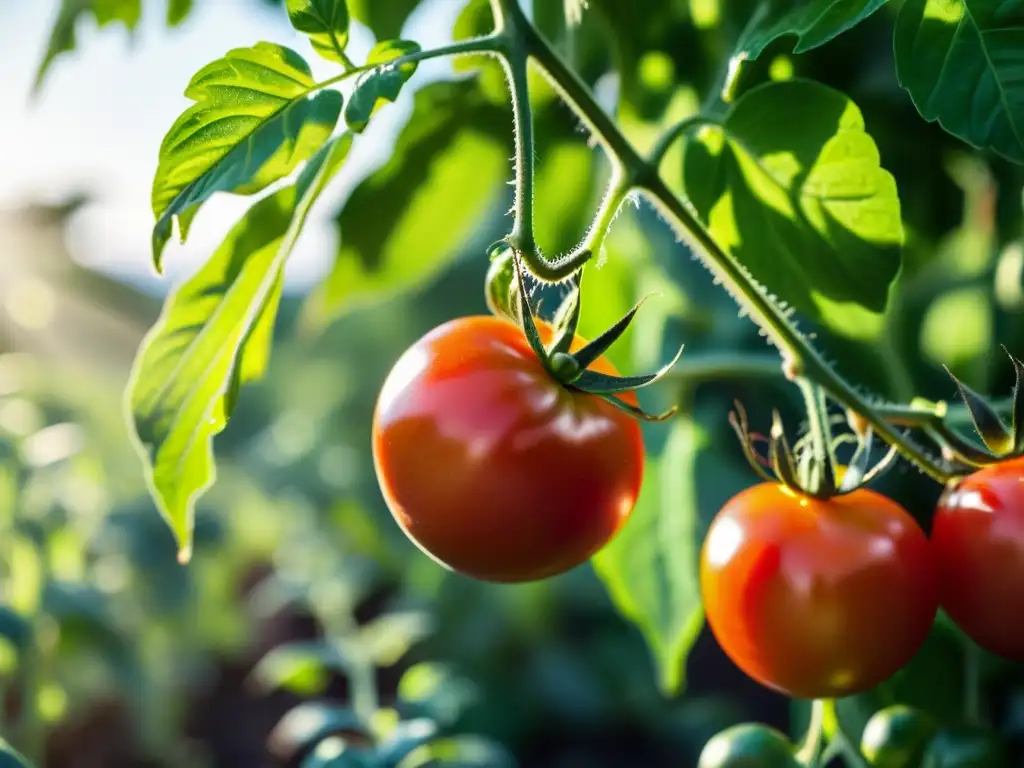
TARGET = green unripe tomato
(896,737)
(501,290)
(965,747)
(750,745)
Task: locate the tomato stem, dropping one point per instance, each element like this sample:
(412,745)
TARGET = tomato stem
(972,683)
(523,41)
(615,195)
(809,752)
(493,44)
(815,472)
(956,447)
(522,237)
(346,62)
(664,142)
(839,742)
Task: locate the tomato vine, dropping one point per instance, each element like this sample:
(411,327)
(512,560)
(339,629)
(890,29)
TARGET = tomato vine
(520,41)
(175,428)
(516,43)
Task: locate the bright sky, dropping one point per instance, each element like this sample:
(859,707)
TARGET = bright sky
(104,109)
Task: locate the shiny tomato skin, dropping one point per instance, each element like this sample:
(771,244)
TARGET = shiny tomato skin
(817,599)
(978,543)
(491,466)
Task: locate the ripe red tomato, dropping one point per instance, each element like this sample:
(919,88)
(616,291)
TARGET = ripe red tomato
(978,545)
(817,599)
(494,468)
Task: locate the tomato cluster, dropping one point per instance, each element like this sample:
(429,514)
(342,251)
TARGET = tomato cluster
(826,598)
(501,471)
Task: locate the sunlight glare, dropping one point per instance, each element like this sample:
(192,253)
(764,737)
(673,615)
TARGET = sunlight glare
(724,542)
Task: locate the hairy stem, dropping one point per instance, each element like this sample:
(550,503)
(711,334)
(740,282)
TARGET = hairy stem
(577,95)
(493,43)
(820,433)
(716,366)
(618,190)
(731,274)
(668,138)
(522,238)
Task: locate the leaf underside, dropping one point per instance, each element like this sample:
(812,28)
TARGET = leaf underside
(963,63)
(813,22)
(325,22)
(381,86)
(651,568)
(791,186)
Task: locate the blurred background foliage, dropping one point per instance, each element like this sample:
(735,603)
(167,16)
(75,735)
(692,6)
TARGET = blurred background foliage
(113,655)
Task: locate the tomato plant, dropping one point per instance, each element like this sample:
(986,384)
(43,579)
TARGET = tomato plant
(776,143)
(795,589)
(467,424)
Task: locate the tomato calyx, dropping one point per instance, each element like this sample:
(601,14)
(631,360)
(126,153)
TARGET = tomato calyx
(508,296)
(810,467)
(1000,441)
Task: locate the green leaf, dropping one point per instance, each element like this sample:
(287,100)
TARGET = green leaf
(62,36)
(253,122)
(178,11)
(963,63)
(790,184)
(378,87)
(389,637)
(813,22)
(446,171)
(257,347)
(475,20)
(303,668)
(385,17)
(326,24)
(651,568)
(186,365)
